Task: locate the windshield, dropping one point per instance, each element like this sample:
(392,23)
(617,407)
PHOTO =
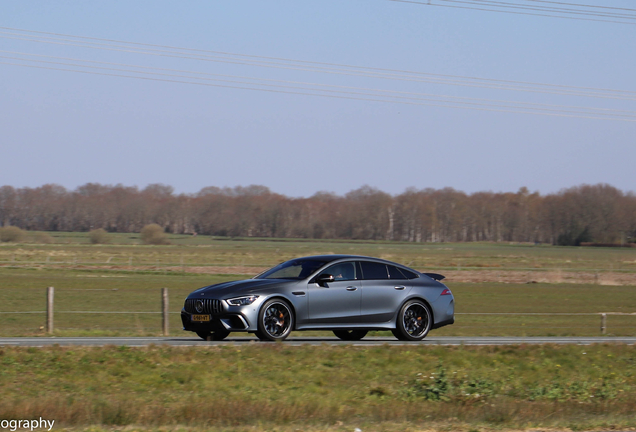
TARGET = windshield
(295,269)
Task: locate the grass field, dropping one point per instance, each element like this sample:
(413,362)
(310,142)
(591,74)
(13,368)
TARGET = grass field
(80,296)
(125,276)
(126,250)
(276,387)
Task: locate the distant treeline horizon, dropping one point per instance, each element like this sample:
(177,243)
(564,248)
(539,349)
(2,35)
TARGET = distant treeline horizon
(585,213)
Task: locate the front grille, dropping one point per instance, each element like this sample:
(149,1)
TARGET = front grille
(206,306)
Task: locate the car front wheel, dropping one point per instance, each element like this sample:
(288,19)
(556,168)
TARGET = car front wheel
(275,320)
(414,321)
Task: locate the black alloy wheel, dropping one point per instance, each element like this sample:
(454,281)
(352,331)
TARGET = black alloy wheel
(350,335)
(216,335)
(414,321)
(275,320)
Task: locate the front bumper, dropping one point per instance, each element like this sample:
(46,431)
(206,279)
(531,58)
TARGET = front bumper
(229,322)
(219,315)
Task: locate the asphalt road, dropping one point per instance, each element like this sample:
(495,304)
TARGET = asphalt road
(296,341)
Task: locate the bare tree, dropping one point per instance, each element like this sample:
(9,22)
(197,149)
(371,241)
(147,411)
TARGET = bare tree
(598,213)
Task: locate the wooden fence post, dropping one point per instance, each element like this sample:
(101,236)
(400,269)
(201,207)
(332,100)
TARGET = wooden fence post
(164,303)
(603,323)
(49,310)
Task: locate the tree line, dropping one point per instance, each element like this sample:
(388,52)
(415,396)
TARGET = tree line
(585,213)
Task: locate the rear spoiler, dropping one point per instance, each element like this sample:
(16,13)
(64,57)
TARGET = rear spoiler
(437,277)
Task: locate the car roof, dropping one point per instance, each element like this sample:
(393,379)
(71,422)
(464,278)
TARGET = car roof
(335,257)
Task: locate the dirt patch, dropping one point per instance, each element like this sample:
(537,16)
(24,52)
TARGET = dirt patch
(467,276)
(514,276)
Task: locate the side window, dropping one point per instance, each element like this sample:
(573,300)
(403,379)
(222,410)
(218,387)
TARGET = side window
(408,274)
(371,270)
(342,272)
(395,273)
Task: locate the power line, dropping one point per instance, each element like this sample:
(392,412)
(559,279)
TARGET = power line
(560,11)
(390,73)
(329,68)
(511,9)
(266,80)
(269,80)
(584,5)
(541,8)
(357,93)
(309,88)
(178,81)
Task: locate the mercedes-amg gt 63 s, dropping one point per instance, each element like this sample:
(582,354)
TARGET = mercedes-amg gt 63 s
(346,294)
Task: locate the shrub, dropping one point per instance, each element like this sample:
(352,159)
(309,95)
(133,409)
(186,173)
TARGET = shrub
(98,236)
(43,238)
(11,234)
(570,238)
(153,234)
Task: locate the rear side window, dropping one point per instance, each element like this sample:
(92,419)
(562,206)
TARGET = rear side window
(371,270)
(408,274)
(396,273)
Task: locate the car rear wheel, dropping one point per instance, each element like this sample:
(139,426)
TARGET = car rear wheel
(216,335)
(275,320)
(350,335)
(414,321)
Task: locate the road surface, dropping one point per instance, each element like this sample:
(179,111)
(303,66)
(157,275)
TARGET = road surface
(296,341)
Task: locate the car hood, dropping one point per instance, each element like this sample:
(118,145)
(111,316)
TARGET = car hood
(240,287)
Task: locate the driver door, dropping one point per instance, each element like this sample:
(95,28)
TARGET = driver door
(338,301)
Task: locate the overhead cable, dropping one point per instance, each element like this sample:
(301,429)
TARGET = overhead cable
(525,9)
(125,70)
(205,76)
(328,68)
(348,93)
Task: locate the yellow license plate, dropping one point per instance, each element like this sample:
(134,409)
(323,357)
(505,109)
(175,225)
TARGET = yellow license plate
(200,318)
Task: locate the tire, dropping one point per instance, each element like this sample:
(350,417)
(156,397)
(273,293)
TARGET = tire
(275,320)
(414,321)
(350,335)
(213,336)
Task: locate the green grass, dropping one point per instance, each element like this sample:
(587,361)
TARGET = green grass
(126,249)
(541,299)
(77,291)
(278,387)
(128,276)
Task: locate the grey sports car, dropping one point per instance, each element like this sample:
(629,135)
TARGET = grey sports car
(346,294)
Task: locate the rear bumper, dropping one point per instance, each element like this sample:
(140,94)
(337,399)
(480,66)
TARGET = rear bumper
(443,323)
(444,311)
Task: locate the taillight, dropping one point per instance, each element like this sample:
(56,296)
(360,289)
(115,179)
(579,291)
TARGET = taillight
(446,292)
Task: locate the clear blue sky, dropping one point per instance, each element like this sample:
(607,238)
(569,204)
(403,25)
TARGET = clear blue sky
(72,128)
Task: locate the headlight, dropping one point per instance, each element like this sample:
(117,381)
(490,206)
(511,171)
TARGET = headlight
(242,301)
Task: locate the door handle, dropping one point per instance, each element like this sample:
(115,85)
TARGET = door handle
(352,288)
(399,288)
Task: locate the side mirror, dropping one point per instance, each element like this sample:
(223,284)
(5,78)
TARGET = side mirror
(324,279)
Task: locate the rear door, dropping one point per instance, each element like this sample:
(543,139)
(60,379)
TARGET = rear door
(384,289)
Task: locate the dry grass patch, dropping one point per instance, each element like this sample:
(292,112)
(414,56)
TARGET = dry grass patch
(281,387)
